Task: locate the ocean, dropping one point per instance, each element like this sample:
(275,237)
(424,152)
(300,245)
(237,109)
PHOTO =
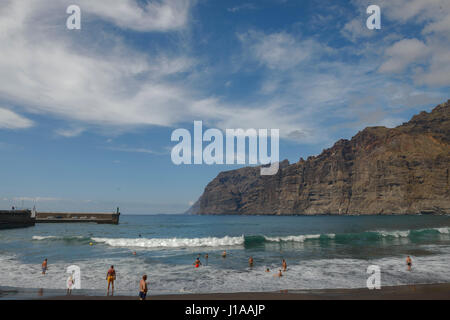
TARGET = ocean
(321,252)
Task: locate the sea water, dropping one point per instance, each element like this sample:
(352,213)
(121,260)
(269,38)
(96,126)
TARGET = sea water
(321,252)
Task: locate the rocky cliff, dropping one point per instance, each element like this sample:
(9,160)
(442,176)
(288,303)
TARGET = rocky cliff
(404,170)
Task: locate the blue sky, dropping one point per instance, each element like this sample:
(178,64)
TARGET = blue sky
(86,115)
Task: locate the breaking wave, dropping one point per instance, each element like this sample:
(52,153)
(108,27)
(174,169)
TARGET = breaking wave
(248,240)
(172,242)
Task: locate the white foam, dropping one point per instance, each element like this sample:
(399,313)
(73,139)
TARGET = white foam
(43,237)
(163,278)
(172,242)
(395,234)
(443,230)
(299,238)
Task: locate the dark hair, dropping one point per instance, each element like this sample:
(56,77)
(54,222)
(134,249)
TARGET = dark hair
(112,267)
(144,277)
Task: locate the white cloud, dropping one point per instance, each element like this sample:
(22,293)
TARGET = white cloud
(137,150)
(37,199)
(11,120)
(249,6)
(70,133)
(116,86)
(278,50)
(402,53)
(356,29)
(156,15)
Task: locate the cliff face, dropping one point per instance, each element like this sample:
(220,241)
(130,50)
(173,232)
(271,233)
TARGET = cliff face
(404,170)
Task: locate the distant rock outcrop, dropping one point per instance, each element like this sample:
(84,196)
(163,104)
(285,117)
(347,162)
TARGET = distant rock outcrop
(404,170)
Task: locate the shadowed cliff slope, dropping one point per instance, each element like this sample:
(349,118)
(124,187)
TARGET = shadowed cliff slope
(404,170)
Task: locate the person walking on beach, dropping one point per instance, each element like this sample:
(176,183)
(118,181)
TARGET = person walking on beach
(284,265)
(111,277)
(409,263)
(250,262)
(143,288)
(44,266)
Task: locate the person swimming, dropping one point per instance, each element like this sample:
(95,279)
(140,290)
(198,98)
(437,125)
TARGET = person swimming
(206,258)
(197,263)
(224,254)
(267,270)
(279,274)
(250,262)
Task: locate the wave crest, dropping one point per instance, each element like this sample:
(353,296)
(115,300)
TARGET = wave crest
(172,242)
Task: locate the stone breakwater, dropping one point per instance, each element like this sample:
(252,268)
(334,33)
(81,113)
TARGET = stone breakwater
(10,219)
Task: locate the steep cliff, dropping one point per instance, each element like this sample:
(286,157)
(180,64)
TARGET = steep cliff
(404,170)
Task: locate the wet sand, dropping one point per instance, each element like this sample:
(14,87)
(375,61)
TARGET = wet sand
(406,292)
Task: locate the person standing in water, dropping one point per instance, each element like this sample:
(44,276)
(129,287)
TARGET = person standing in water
(250,262)
(206,259)
(143,288)
(409,263)
(111,277)
(284,265)
(44,266)
(224,254)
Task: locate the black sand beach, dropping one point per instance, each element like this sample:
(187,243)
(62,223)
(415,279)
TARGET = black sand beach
(405,292)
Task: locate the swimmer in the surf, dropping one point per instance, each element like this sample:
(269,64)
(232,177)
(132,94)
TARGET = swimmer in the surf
(250,262)
(206,258)
(224,254)
(197,263)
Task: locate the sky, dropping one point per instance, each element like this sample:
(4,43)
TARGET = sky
(86,116)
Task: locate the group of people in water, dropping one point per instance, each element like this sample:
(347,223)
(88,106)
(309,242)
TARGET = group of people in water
(143,286)
(197,263)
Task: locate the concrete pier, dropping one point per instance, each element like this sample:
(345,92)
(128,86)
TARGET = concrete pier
(10,219)
(78,217)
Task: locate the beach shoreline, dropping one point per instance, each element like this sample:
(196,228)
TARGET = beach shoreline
(439,291)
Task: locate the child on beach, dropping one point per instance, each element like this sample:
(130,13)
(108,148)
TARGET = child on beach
(70,283)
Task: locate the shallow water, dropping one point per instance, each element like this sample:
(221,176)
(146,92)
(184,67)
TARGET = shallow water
(321,252)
